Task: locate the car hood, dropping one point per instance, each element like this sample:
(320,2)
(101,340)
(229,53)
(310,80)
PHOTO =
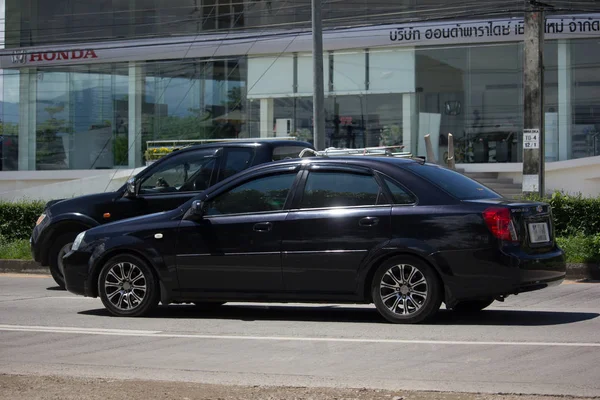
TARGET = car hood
(137,224)
(81,204)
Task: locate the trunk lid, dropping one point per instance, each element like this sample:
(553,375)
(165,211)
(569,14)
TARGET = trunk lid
(532,221)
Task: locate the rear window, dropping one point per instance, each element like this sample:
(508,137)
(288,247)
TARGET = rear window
(457,184)
(286,152)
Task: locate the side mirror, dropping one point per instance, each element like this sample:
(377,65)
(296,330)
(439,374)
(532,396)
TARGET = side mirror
(196,211)
(131,189)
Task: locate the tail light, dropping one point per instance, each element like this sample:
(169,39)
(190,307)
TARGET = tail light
(500,223)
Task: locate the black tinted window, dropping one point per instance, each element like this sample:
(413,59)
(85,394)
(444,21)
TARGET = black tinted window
(340,189)
(262,194)
(399,194)
(457,184)
(183,173)
(236,160)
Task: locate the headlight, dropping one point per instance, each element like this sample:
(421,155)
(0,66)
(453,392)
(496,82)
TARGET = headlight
(40,219)
(78,241)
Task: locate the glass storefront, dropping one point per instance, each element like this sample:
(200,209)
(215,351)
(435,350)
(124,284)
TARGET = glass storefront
(102,116)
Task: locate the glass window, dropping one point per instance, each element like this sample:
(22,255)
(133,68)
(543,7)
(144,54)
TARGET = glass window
(258,195)
(399,194)
(340,189)
(182,174)
(286,152)
(236,160)
(458,185)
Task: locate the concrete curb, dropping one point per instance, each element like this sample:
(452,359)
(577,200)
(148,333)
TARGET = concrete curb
(574,271)
(22,267)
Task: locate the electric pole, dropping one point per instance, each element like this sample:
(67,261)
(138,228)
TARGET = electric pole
(318,86)
(533,102)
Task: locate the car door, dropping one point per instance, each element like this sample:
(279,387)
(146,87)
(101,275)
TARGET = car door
(339,215)
(236,246)
(171,183)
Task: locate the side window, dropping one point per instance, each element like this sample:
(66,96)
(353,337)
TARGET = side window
(182,174)
(399,194)
(236,160)
(263,194)
(340,189)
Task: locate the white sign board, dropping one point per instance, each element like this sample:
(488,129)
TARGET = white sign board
(531,183)
(531,139)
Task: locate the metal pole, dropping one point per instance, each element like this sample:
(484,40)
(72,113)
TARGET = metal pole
(318,85)
(533,107)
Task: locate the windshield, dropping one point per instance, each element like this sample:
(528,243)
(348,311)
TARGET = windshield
(455,183)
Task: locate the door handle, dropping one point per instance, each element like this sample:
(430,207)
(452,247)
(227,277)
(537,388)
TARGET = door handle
(263,227)
(368,221)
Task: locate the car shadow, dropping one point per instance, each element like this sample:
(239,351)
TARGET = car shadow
(492,317)
(55,288)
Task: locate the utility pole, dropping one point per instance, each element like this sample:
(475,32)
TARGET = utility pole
(533,104)
(318,86)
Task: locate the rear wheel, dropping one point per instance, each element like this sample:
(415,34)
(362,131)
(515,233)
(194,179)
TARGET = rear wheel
(61,246)
(468,306)
(406,290)
(128,287)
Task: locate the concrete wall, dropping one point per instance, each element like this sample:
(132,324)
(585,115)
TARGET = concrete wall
(43,186)
(571,176)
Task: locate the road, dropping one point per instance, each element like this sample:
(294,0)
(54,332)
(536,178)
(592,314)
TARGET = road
(544,342)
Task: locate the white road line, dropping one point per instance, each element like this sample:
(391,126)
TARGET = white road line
(162,334)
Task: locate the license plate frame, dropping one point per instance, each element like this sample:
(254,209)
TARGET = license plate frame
(539,232)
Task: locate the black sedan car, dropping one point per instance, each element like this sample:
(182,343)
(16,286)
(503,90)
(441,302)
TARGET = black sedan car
(400,233)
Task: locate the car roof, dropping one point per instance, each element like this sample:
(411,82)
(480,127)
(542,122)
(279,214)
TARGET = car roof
(246,143)
(353,160)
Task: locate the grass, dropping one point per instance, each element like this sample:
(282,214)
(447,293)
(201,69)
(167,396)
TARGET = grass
(580,248)
(16,250)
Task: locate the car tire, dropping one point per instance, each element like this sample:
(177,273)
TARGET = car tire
(128,287)
(406,290)
(470,306)
(60,247)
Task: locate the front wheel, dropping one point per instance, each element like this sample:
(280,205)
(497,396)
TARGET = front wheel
(127,287)
(406,290)
(61,246)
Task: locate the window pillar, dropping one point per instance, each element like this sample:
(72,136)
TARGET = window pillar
(266,117)
(27,118)
(565,113)
(136,82)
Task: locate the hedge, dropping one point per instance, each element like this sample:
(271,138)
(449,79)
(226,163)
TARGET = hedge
(574,215)
(18,219)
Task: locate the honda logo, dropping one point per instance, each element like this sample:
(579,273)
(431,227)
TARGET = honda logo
(18,57)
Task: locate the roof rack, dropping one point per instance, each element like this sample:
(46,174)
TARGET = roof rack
(389,151)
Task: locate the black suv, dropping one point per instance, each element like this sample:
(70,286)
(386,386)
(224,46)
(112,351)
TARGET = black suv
(400,233)
(164,185)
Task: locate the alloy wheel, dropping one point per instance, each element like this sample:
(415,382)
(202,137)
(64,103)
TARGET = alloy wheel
(403,289)
(125,286)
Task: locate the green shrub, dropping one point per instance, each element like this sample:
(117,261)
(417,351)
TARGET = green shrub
(15,250)
(581,248)
(573,215)
(17,220)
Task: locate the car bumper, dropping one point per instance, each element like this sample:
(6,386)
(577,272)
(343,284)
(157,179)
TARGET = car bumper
(76,272)
(494,272)
(34,244)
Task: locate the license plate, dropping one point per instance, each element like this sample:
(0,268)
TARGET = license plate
(538,233)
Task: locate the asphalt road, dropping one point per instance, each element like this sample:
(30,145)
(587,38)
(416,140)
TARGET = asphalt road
(545,342)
